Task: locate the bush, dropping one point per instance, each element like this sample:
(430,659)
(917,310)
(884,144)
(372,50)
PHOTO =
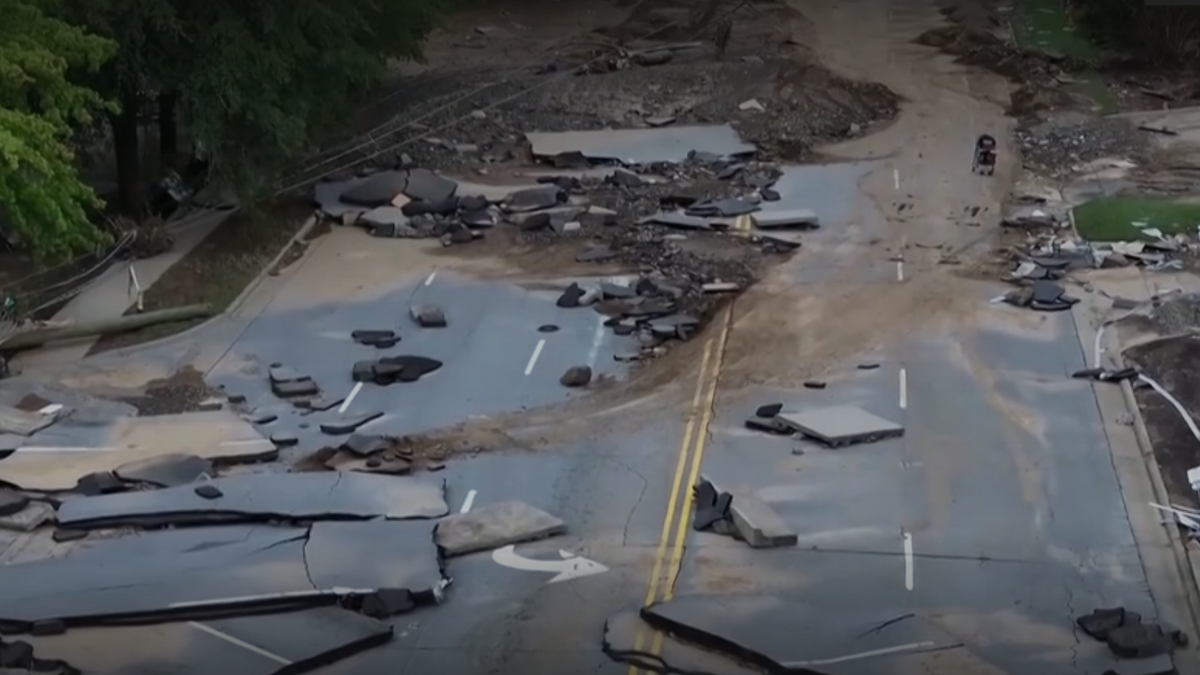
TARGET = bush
(1160,35)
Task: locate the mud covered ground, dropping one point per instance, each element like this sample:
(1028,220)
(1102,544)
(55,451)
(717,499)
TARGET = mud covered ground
(1174,445)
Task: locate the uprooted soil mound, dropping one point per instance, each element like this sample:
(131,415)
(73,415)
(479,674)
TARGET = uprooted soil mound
(979,48)
(1038,76)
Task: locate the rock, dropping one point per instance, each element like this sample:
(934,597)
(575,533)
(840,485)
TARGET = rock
(751,104)
(236,399)
(576,376)
(481,218)
(208,491)
(720,287)
(532,199)
(547,328)
(814,384)
(428,316)
(260,418)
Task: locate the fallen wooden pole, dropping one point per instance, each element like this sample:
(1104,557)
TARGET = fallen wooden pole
(123,324)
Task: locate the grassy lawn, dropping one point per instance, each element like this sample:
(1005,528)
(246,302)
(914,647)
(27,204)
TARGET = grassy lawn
(217,270)
(1112,218)
(1042,25)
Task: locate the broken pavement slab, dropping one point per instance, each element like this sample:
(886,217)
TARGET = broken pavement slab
(230,571)
(291,643)
(25,422)
(753,519)
(220,436)
(495,526)
(842,425)
(639,146)
(778,635)
(249,497)
(627,639)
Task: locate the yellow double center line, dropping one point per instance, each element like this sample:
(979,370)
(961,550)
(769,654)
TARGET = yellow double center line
(668,557)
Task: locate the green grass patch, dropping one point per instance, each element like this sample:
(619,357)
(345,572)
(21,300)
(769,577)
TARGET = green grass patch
(1042,25)
(1113,218)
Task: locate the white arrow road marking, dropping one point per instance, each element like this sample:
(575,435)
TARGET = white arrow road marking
(570,567)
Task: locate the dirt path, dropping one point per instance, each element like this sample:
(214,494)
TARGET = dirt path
(921,201)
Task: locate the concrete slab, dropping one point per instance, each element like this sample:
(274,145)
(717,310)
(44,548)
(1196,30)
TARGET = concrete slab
(778,635)
(298,496)
(220,436)
(386,554)
(292,643)
(494,526)
(754,520)
(841,425)
(633,146)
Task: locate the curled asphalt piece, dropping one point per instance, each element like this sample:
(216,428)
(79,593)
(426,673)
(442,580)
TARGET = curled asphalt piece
(769,410)
(548,328)
(868,366)
(570,296)
(349,423)
(813,384)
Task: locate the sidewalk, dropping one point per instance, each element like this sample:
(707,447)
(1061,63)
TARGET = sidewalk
(109,296)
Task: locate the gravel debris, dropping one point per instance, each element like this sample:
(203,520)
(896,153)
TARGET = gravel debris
(1056,146)
(180,393)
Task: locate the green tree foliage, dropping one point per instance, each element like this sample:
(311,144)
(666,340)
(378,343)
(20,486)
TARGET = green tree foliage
(42,200)
(255,81)
(274,76)
(1155,33)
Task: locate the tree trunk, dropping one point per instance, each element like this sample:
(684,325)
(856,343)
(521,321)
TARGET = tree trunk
(168,130)
(121,324)
(127,148)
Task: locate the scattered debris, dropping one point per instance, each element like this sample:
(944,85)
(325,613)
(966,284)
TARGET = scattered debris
(287,383)
(1128,636)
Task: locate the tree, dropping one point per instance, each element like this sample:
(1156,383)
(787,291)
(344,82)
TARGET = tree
(277,75)
(42,200)
(253,81)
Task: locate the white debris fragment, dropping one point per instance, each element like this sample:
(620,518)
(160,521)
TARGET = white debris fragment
(751,104)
